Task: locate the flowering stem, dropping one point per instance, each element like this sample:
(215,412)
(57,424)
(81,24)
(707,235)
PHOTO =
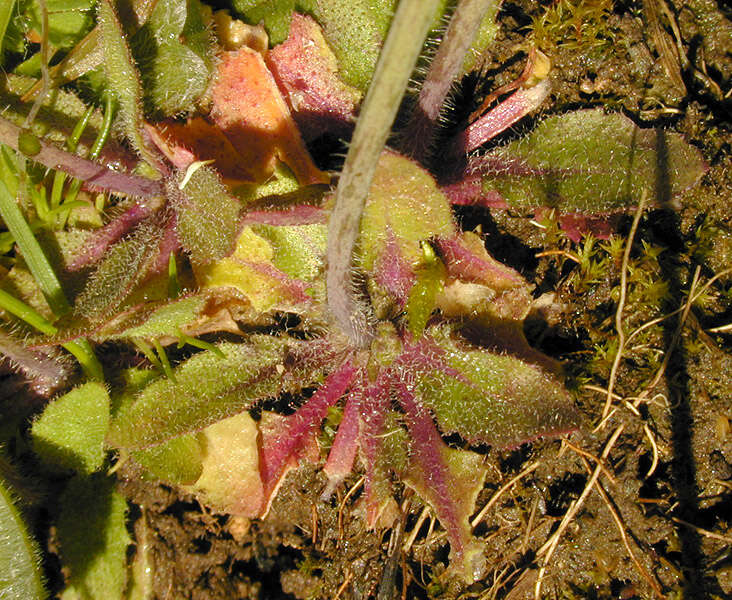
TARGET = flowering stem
(444,68)
(396,62)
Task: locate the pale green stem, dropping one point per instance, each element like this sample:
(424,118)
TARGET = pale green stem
(401,49)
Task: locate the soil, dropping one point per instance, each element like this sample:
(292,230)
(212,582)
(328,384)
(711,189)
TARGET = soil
(656,523)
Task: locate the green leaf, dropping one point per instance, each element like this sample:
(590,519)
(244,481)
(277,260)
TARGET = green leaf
(6,11)
(207,215)
(20,573)
(589,161)
(93,536)
(68,20)
(404,201)
(430,279)
(70,433)
(298,249)
(207,389)
(356,31)
(123,79)
(275,14)
(495,398)
(176,461)
(123,266)
(153,321)
(173,50)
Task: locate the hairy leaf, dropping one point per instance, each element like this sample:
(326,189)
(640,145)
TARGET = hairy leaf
(206,214)
(589,161)
(404,200)
(20,573)
(123,267)
(207,389)
(307,70)
(283,444)
(122,77)
(154,320)
(93,536)
(173,51)
(176,461)
(449,480)
(70,433)
(492,398)
(101,239)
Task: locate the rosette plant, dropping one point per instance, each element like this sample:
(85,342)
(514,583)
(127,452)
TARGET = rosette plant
(296,300)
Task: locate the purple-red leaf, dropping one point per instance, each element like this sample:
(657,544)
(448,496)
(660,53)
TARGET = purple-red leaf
(307,72)
(285,441)
(448,479)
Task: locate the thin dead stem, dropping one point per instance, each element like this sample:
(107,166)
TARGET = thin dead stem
(654,446)
(547,550)
(344,585)
(483,511)
(593,458)
(704,532)
(415,530)
(621,304)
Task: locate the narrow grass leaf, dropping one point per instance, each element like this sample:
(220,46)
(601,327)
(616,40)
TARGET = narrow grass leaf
(32,253)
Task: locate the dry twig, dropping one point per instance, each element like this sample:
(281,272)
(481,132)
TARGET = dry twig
(551,544)
(483,511)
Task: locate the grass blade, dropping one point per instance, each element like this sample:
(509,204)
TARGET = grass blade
(32,253)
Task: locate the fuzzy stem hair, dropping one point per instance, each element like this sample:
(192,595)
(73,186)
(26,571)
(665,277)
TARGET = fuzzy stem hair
(444,69)
(401,49)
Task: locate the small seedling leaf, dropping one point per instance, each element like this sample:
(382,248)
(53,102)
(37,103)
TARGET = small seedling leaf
(70,433)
